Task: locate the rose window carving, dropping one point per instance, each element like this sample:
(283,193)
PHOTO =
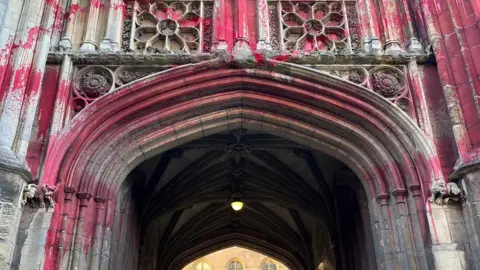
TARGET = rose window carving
(91,83)
(313,26)
(164,26)
(387,81)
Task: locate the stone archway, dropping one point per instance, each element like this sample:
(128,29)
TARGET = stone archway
(395,165)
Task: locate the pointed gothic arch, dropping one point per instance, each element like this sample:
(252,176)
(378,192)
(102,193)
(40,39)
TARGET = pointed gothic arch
(376,139)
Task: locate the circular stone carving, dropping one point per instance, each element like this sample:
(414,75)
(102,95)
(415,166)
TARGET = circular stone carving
(314,27)
(387,81)
(355,77)
(93,82)
(167,27)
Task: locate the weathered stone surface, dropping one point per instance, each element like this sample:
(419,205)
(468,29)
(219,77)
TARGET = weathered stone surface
(388,89)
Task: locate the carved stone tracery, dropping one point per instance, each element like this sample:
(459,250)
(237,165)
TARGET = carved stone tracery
(169,26)
(314,26)
(387,81)
(91,83)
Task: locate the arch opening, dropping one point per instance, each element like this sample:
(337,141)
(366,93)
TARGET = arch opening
(301,206)
(105,152)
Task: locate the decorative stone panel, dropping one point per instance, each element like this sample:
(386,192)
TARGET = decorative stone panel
(324,26)
(388,81)
(168,26)
(92,82)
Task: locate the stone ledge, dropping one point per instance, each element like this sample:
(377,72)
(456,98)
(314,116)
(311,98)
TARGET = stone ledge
(103,58)
(463,168)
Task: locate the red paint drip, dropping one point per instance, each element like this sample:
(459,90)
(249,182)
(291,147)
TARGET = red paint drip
(72,12)
(259,58)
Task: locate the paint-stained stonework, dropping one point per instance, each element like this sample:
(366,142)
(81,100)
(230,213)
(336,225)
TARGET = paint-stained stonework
(93,92)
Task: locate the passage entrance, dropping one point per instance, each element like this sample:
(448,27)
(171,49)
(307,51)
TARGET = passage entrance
(300,206)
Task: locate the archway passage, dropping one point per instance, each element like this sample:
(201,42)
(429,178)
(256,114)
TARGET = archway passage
(236,257)
(292,209)
(182,109)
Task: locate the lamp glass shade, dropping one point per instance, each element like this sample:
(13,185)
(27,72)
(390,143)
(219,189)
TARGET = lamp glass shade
(237,205)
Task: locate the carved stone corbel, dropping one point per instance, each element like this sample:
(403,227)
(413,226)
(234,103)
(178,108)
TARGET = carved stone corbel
(33,194)
(446,193)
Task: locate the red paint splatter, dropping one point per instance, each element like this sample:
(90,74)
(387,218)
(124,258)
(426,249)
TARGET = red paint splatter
(97,4)
(282,57)
(259,58)
(72,12)
(32,37)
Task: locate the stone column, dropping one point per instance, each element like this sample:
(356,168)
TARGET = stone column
(99,227)
(470,183)
(220,24)
(89,43)
(7,34)
(371,41)
(70,18)
(389,11)
(78,257)
(58,24)
(19,77)
(241,28)
(112,40)
(263,37)
(447,232)
(13,176)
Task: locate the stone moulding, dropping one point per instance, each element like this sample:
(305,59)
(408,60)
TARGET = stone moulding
(136,58)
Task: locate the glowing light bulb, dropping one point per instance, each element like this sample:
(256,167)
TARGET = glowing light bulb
(237,205)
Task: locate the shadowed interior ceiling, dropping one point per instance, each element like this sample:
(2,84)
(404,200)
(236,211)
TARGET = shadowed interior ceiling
(287,190)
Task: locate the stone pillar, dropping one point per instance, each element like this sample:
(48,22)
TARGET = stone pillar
(70,18)
(32,236)
(263,38)
(367,13)
(98,238)
(470,183)
(13,176)
(78,257)
(381,232)
(389,11)
(58,24)
(405,236)
(20,75)
(63,98)
(241,28)
(412,43)
(112,40)
(220,23)
(89,43)
(448,236)
(7,35)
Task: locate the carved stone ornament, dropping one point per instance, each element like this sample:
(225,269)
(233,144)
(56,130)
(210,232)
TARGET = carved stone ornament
(355,74)
(171,26)
(446,193)
(91,83)
(128,74)
(387,81)
(33,194)
(312,26)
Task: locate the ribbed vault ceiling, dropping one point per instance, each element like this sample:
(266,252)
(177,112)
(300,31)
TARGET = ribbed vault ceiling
(287,190)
